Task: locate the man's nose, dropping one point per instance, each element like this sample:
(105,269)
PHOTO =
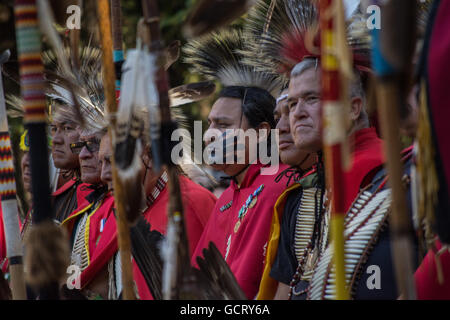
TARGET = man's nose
(283,125)
(105,175)
(85,153)
(211,134)
(58,137)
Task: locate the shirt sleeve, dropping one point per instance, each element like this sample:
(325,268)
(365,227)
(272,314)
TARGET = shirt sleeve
(285,264)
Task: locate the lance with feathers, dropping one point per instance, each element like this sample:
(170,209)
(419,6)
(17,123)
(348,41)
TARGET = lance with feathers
(393,47)
(177,251)
(123,232)
(10,212)
(47,250)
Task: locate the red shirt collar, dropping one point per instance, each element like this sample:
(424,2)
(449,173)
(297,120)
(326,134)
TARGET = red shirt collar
(253,171)
(362,138)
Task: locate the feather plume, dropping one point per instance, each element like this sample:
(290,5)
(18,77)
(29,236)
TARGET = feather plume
(277,30)
(61,88)
(218,56)
(145,247)
(204,18)
(139,100)
(190,92)
(285,33)
(172,53)
(212,280)
(75,82)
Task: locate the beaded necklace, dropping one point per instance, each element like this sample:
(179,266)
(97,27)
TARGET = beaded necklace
(316,243)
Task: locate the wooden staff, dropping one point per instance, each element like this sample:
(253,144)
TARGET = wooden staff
(173,271)
(116,21)
(44,272)
(334,133)
(109,76)
(14,250)
(393,47)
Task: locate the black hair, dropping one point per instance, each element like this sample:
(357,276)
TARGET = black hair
(258,106)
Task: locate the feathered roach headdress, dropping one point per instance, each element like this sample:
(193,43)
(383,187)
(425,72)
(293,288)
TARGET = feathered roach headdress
(78,95)
(218,56)
(283,33)
(83,82)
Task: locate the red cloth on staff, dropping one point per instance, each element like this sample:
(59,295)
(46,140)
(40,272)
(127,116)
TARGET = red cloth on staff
(244,250)
(426,276)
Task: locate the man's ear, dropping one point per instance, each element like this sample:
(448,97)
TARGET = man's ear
(356,105)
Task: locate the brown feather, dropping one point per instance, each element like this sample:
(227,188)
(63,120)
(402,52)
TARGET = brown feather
(204,17)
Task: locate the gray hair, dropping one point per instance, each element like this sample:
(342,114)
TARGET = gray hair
(356,86)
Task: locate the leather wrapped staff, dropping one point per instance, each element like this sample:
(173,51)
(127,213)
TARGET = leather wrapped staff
(393,47)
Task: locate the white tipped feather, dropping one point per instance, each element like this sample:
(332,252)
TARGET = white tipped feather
(139,98)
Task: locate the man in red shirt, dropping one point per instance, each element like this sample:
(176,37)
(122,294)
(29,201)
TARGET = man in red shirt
(64,131)
(240,223)
(198,204)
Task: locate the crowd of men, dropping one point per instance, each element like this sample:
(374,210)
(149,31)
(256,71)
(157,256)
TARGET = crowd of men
(273,230)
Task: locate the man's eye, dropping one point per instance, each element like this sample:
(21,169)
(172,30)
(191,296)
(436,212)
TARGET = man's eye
(67,128)
(291,105)
(311,99)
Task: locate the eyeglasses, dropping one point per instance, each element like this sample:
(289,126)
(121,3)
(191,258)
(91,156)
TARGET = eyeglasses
(92,146)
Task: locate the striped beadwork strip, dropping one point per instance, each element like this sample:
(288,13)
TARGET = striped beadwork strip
(7,180)
(31,67)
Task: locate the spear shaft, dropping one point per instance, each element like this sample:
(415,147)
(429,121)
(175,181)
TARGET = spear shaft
(172,271)
(334,134)
(392,52)
(109,76)
(116,21)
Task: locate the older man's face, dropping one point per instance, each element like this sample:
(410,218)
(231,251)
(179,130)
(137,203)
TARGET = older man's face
(63,134)
(89,161)
(104,157)
(289,153)
(305,110)
(26,171)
